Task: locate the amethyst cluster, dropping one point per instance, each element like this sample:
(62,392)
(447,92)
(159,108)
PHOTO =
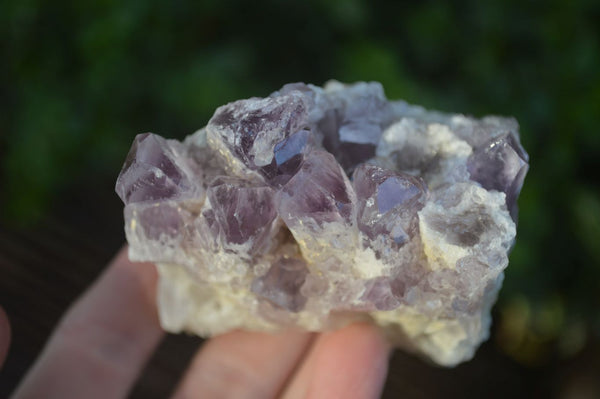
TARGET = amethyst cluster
(315,207)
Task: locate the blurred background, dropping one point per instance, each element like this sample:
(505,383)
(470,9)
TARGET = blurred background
(78,80)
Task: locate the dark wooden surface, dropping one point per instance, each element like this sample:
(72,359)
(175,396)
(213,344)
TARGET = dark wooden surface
(44,268)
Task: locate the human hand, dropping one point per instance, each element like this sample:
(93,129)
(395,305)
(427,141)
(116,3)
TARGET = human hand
(104,340)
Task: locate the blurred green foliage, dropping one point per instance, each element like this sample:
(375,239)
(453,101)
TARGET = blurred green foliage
(79,79)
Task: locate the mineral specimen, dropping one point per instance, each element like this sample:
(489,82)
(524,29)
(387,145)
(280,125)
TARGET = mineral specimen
(316,207)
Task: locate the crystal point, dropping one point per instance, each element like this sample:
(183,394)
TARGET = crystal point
(243,213)
(250,129)
(388,203)
(500,164)
(319,191)
(151,171)
(288,156)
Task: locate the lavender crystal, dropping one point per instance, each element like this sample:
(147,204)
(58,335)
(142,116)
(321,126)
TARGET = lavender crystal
(317,206)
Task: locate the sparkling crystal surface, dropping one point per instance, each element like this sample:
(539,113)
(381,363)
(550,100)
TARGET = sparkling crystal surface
(317,206)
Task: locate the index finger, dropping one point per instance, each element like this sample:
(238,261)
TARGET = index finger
(349,363)
(103,341)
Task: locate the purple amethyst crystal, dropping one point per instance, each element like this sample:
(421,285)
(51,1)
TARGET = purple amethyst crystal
(288,157)
(501,164)
(352,127)
(319,191)
(151,171)
(241,213)
(383,293)
(250,129)
(388,202)
(254,223)
(161,220)
(281,284)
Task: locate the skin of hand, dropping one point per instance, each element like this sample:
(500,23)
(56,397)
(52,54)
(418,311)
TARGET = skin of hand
(104,340)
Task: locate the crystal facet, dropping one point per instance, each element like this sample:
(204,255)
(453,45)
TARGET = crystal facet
(388,202)
(318,206)
(251,128)
(500,164)
(151,171)
(243,214)
(281,284)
